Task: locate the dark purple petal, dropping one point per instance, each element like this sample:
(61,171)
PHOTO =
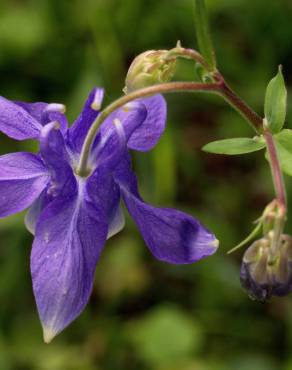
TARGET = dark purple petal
(57,159)
(70,235)
(171,235)
(23,176)
(80,127)
(104,191)
(114,133)
(16,122)
(146,136)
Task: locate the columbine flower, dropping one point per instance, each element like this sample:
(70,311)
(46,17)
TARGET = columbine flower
(72,216)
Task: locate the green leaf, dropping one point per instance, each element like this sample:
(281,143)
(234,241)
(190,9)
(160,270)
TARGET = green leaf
(235,146)
(203,35)
(275,103)
(284,149)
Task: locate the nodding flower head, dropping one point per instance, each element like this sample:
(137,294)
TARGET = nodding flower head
(72,216)
(265,272)
(149,68)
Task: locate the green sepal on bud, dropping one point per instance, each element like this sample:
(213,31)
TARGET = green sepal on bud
(263,273)
(150,68)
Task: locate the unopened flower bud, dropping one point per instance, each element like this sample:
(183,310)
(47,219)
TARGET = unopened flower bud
(263,273)
(150,68)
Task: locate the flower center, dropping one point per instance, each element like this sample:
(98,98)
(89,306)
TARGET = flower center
(84,172)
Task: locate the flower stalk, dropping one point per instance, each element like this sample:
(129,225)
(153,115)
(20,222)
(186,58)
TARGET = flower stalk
(219,88)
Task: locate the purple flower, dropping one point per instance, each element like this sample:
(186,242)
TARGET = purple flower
(72,216)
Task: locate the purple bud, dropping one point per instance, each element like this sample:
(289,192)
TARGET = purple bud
(263,273)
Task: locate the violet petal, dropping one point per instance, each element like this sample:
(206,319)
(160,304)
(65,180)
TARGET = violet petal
(70,235)
(56,157)
(146,136)
(80,127)
(111,141)
(16,122)
(171,235)
(45,113)
(23,176)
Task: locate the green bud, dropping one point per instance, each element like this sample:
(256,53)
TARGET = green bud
(150,68)
(264,274)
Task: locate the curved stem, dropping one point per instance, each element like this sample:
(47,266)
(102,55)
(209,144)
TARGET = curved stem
(219,88)
(141,93)
(243,109)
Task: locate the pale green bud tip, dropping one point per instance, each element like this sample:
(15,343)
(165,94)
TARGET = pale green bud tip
(150,68)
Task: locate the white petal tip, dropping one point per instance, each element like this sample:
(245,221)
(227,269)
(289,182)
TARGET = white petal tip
(48,335)
(215,243)
(95,106)
(56,107)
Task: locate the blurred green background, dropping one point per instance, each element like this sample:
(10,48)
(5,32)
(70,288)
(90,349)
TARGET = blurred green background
(144,314)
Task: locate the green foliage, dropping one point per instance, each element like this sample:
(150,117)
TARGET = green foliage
(275,103)
(284,149)
(203,34)
(235,146)
(166,336)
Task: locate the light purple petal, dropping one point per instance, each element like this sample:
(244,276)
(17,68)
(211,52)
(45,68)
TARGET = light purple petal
(172,236)
(80,127)
(45,113)
(16,122)
(146,136)
(23,176)
(70,235)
